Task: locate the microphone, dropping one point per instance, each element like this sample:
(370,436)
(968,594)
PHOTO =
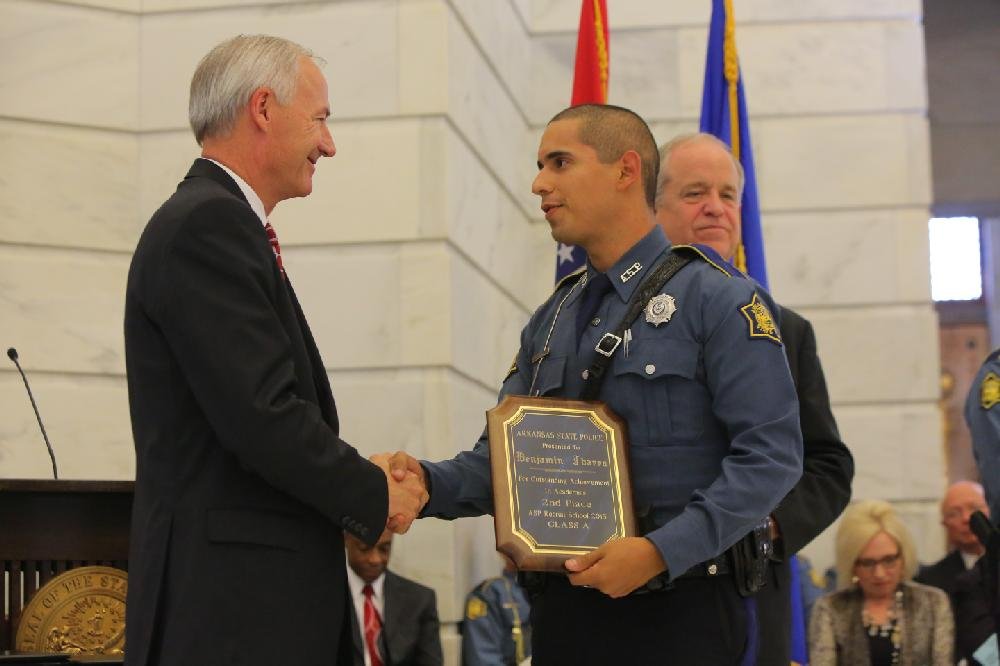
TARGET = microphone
(984,530)
(12,354)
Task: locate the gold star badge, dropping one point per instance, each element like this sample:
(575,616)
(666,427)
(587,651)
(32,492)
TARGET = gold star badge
(761,322)
(989,392)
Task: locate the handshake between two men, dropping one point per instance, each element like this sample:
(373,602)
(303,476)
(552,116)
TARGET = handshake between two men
(616,568)
(407,489)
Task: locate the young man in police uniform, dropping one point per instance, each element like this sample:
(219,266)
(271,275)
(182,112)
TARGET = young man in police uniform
(702,382)
(698,200)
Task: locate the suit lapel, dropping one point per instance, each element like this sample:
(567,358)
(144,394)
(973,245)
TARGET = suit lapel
(359,645)
(392,607)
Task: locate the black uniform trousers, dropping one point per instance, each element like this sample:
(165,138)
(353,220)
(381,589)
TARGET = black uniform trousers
(699,621)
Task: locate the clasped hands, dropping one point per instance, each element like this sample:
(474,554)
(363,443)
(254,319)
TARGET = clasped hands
(407,488)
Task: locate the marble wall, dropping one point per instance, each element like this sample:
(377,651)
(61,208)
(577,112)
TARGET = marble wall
(422,251)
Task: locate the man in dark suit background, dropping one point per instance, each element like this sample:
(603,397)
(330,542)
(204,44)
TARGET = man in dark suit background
(698,201)
(960,501)
(959,573)
(394,620)
(243,486)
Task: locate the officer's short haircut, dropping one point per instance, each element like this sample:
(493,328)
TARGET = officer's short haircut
(860,523)
(613,130)
(667,149)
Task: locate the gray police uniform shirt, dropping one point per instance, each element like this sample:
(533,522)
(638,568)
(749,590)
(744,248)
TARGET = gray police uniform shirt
(982,413)
(494,610)
(711,410)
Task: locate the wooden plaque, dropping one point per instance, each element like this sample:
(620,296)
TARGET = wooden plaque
(561,483)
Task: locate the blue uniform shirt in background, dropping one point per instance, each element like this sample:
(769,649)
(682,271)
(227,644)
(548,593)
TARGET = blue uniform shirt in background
(711,410)
(495,629)
(982,413)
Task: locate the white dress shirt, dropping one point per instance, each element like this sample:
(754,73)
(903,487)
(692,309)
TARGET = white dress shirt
(357,585)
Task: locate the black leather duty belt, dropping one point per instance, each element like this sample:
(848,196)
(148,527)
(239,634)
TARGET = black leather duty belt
(717,566)
(534,582)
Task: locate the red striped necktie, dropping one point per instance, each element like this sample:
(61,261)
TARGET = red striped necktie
(275,247)
(373,626)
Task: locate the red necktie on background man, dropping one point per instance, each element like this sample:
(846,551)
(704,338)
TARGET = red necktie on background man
(373,626)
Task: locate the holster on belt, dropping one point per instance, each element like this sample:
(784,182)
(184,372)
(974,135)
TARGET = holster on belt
(750,557)
(533,582)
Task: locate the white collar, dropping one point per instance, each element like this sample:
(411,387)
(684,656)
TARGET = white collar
(357,584)
(968,559)
(255,203)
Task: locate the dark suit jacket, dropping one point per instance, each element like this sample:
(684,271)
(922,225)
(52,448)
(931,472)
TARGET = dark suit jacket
(944,573)
(242,484)
(411,632)
(819,496)
(974,622)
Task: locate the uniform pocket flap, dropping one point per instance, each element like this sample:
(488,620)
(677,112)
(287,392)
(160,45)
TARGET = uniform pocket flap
(656,358)
(550,374)
(260,528)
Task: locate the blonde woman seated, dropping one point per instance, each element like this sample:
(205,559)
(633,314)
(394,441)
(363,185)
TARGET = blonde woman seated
(881,617)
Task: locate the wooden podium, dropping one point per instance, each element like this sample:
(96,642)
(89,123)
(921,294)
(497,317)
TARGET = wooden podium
(48,527)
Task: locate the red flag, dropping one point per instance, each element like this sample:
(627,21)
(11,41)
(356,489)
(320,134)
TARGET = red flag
(590,86)
(590,76)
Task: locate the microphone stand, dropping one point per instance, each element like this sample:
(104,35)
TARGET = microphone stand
(12,354)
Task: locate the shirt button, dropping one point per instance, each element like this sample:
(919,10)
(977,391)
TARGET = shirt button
(595,321)
(650,369)
(712,569)
(585,374)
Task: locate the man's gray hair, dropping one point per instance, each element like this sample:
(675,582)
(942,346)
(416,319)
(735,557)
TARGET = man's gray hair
(691,137)
(229,74)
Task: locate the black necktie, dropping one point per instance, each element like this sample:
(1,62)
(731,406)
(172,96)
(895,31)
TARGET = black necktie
(595,291)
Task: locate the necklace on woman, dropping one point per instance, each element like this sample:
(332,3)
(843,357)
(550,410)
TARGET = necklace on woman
(890,628)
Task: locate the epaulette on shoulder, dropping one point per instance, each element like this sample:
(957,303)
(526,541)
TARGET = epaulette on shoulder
(572,276)
(711,257)
(489,581)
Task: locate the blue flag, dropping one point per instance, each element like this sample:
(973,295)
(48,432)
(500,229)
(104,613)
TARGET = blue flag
(568,259)
(724,114)
(799,653)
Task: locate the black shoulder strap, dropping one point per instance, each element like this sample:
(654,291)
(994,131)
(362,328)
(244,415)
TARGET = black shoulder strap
(609,343)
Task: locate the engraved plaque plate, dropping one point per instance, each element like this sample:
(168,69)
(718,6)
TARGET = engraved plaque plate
(561,485)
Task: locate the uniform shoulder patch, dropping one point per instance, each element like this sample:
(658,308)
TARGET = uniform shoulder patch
(513,366)
(761,322)
(475,608)
(989,391)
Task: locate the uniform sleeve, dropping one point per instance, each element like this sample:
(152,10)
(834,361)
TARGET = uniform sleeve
(463,486)
(220,318)
(984,424)
(827,465)
(484,629)
(753,397)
